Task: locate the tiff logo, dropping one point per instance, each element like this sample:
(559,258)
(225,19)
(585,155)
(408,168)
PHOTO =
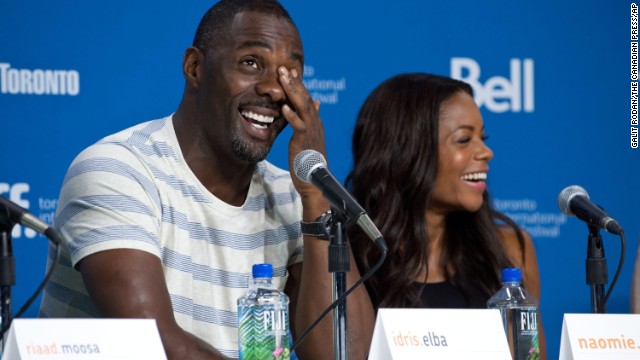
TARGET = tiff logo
(16,194)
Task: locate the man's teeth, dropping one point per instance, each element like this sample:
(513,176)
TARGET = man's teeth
(263,120)
(475,176)
(259,126)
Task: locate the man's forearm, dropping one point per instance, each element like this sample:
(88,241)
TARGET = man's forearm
(188,346)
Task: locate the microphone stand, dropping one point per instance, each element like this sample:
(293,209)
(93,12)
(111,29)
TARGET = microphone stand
(339,266)
(7,276)
(596,269)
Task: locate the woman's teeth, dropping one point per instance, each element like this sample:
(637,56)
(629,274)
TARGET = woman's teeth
(482,176)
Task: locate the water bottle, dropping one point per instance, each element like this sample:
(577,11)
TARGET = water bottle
(519,311)
(263,319)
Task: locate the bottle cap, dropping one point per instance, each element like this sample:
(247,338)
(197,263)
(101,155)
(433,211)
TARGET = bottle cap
(262,271)
(511,275)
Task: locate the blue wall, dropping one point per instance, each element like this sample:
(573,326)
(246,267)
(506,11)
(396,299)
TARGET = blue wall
(566,121)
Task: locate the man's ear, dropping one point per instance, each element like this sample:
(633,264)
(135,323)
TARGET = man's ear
(191,63)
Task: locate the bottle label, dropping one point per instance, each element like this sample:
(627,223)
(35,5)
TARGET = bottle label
(263,332)
(525,334)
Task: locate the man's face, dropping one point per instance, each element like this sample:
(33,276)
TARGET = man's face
(239,94)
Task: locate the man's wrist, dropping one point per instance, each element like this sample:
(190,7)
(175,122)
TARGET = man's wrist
(320,228)
(313,205)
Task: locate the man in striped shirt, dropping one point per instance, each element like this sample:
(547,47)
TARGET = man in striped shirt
(165,219)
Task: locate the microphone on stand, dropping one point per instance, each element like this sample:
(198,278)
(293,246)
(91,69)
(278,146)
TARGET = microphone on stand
(574,201)
(10,215)
(311,167)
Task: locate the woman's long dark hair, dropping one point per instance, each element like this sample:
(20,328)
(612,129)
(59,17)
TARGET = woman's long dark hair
(395,147)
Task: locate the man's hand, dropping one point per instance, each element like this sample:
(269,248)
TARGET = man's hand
(308,131)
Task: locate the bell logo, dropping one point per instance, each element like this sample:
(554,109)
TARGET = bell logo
(15,193)
(499,94)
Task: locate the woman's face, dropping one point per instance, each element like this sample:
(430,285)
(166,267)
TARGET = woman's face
(463,157)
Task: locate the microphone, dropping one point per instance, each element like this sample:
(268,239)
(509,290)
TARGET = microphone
(11,214)
(311,167)
(574,201)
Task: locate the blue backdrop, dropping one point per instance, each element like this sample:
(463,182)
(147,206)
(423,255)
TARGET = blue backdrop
(552,79)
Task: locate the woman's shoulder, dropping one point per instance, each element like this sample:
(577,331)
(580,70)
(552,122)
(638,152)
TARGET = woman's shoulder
(516,246)
(522,255)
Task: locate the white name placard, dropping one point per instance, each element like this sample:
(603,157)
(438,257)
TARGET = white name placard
(600,337)
(99,339)
(433,334)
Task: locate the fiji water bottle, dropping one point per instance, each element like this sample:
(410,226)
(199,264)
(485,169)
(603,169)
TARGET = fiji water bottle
(263,319)
(519,311)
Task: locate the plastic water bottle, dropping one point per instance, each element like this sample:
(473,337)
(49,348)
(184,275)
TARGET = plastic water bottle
(519,310)
(263,319)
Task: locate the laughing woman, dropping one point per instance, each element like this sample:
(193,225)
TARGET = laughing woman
(420,171)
